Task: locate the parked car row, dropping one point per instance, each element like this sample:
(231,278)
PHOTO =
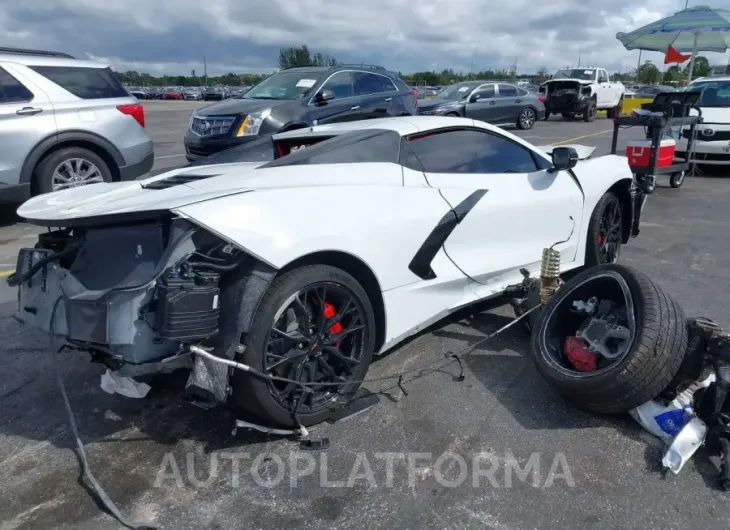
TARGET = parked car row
(213,93)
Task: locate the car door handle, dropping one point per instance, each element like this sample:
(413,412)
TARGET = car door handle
(355,107)
(518,101)
(492,102)
(28,111)
(388,100)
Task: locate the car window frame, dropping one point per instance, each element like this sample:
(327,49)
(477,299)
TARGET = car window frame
(321,86)
(381,78)
(537,160)
(507,85)
(3,98)
(602,74)
(105,74)
(482,88)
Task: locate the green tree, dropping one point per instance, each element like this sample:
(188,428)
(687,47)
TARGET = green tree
(303,56)
(701,67)
(648,73)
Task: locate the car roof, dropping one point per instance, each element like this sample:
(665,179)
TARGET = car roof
(711,79)
(40,60)
(403,125)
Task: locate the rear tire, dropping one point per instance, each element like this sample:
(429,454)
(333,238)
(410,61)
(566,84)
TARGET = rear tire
(526,119)
(653,358)
(44,173)
(258,395)
(605,232)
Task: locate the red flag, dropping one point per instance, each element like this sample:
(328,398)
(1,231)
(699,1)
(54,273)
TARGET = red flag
(673,56)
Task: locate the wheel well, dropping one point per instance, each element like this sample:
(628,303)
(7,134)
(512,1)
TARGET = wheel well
(358,270)
(91,146)
(292,127)
(622,190)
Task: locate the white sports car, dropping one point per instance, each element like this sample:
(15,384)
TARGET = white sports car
(307,252)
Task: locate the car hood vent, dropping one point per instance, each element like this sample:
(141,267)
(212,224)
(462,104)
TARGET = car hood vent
(176,180)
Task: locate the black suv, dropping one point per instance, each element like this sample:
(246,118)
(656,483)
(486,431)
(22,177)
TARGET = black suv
(295,98)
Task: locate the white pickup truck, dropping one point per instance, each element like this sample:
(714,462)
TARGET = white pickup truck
(582,91)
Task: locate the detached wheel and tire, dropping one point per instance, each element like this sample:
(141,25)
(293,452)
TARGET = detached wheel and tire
(605,232)
(589,113)
(526,119)
(315,324)
(656,349)
(70,167)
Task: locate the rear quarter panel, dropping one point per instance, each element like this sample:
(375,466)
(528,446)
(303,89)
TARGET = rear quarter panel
(382,226)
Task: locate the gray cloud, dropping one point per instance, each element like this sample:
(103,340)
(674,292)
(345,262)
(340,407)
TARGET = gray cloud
(173,36)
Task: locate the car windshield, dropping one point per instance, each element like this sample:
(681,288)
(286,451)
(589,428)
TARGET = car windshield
(576,73)
(284,85)
(714,93)
(456,92)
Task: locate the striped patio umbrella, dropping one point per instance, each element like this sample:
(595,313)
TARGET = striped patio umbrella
(697,29)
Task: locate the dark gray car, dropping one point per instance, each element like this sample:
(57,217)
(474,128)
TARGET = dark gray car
(495,103)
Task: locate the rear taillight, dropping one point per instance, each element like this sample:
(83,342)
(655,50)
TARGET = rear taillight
(541,98)
(414,93)
(135,110)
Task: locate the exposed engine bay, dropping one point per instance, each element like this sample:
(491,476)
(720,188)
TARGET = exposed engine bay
(134,296)
(564,96)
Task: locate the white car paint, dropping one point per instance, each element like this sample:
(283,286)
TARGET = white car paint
(717,120)
(380,213)
(607,93)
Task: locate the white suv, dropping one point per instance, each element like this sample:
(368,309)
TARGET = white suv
(65,122)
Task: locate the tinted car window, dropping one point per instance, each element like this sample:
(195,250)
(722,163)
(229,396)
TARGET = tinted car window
(485,93)
(470,151)
(366,84)
(341,84)
(85,83)
(12,90)
(507,90)
(370,145)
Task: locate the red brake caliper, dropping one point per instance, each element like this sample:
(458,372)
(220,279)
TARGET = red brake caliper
(329,312)
(600,239)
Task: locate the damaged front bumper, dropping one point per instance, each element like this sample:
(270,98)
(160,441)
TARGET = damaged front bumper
(134,296)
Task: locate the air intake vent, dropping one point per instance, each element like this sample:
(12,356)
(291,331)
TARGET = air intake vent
(175,180)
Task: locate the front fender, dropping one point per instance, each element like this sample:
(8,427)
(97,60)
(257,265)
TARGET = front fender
(382,226)
(597,176)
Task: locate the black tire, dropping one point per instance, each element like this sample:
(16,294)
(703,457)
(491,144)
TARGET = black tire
(677,179)
(589,113)
(526,119)
(253,393)
(653,359)
(453,114)
(43,176)
(602,245)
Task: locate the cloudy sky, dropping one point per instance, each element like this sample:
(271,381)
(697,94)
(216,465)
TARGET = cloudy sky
(172,36)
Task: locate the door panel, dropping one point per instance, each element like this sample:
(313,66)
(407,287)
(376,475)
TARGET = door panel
(511,103)
(524,209)
(486,108)
(26,118)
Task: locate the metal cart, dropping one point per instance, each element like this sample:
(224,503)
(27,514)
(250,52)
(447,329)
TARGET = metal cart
(668,111)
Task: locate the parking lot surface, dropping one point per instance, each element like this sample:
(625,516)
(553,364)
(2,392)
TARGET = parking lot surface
(166,461)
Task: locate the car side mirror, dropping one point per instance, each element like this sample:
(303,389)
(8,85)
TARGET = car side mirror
(474,98)
(564,158)
(324,96)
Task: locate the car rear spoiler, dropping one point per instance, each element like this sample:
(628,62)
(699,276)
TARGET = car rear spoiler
(583,151)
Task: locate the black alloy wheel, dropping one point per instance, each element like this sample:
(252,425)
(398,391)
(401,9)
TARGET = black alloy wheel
(317,337)
(608,239)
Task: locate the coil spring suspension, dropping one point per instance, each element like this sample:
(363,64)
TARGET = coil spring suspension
(549,274)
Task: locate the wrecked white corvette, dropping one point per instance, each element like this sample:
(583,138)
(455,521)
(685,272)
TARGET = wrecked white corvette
(318,249)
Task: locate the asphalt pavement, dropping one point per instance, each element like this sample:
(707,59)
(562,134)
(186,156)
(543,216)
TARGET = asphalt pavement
(498,450)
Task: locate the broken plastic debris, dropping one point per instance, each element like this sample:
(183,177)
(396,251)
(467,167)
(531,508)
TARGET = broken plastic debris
(667,420)
(684,445)
(112,383)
